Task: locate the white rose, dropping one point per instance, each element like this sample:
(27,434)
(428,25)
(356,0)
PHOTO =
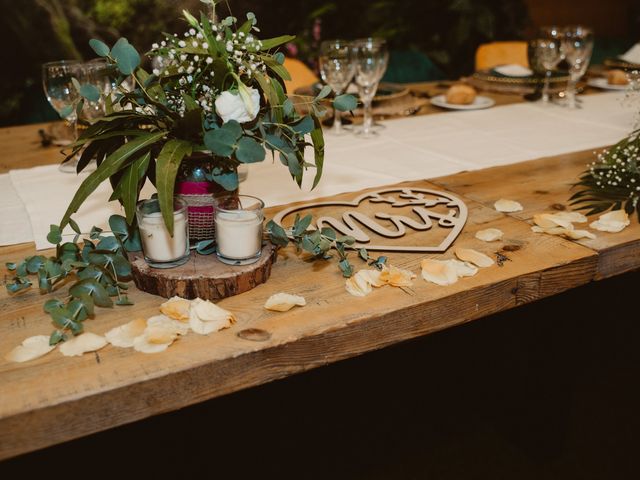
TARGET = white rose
(230,106)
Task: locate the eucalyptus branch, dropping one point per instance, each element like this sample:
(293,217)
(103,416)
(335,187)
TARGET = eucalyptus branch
(317,242)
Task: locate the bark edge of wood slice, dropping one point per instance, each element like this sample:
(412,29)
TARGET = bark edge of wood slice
(203,276)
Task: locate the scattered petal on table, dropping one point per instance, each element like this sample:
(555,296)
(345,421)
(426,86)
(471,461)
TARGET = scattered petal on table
(83,343)
(473,256)
(358,285)
(161,331)
(124,335)
(283,302)
(463,269)
(30,349)
(177,308)
(394,276)
(613,222)
(508,206)
(489,235)
(440,272)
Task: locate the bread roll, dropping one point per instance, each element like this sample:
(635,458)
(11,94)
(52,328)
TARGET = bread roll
(617,77)
(460,95)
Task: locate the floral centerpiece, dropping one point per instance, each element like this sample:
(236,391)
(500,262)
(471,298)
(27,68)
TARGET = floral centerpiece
(216,89)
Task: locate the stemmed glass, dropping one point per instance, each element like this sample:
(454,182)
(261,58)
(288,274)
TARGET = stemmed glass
(577,46)
(544,57)
(337,68)
(372,58)
(61,94)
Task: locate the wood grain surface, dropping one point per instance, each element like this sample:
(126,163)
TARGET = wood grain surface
(55,398)
(545,185)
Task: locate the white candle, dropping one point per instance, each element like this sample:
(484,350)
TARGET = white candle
(239,233)
(157,244)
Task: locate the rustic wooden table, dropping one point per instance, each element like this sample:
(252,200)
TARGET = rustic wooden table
(55,398)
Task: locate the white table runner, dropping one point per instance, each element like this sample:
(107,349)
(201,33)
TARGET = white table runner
(406,149)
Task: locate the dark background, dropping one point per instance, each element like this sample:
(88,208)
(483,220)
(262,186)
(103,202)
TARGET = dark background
(447,32)
(544,391)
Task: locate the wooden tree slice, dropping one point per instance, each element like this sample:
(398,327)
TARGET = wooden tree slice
(203,276)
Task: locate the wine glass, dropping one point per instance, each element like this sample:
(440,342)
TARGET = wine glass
(577,46)
(336,69)
(544,56)
(372,58)
(62,95)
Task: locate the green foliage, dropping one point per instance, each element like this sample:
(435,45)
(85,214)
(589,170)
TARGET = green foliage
(98,265)
(613,181)
(170,114)
(316,242)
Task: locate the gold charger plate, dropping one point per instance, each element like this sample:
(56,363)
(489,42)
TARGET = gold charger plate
(619,63)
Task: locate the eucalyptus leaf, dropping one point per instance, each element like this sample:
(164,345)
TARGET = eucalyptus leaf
(345,102)
(55,234)
(205,247)
(90,92)
(221,142)
(126,56)
(249,151)
(101,48)
(228,181)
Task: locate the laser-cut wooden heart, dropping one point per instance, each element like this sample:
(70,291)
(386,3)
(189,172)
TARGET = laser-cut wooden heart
(358,222)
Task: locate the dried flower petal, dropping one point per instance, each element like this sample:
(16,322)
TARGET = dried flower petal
(176,308)
(472,256)
(551,220)
(124,335)
(578,234)
(207,317)
(394,276)
(573,217)
(374,277)
(161,331)
(463,269)
(613,222)
(507,206)
(489,235)
(83,343)
(30,349)
(283,302)
(358,285)
(439,272)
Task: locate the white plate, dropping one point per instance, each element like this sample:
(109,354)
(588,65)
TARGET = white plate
(479,103)
(602,82)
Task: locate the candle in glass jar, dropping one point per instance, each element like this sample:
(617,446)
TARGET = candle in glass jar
(159,247)
(239,232)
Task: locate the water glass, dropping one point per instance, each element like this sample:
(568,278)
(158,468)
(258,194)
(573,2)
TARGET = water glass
(372,58)
(544,56)
(577,46)
(337,68)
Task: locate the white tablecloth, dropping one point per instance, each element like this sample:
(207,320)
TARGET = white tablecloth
(406,149)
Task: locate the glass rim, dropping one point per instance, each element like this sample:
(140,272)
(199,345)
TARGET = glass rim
(182,205)
(61,62)
(260,203)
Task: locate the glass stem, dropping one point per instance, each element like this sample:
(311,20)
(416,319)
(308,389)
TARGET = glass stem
(571,93)
(337,121)
(368,118)
(545,89)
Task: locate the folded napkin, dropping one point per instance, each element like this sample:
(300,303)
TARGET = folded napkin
(513,70)
(15,221)
(632,55)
